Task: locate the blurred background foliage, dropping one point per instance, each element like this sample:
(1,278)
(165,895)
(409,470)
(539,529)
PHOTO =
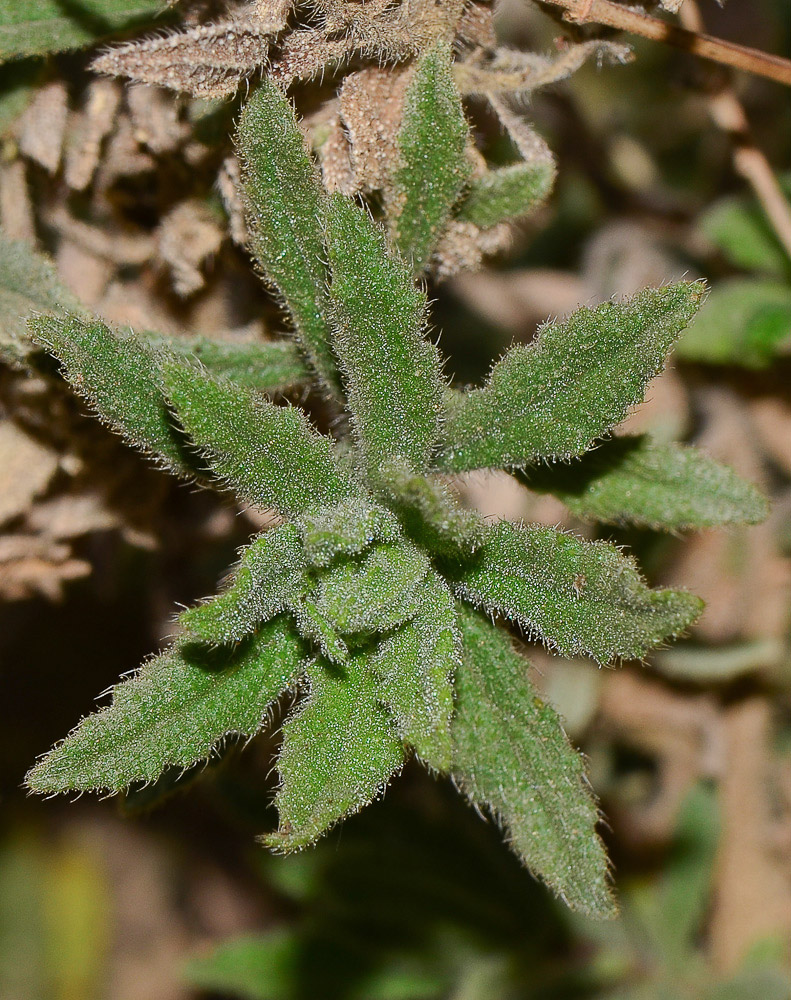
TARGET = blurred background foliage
(690,752)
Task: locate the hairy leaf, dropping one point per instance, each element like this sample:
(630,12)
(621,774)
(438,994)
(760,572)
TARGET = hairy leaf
(633,480)
(119,378)
(553,398)
(579,597)
(269,579)
(269,454)
(28,283)
(314,626)
(744,322)
(507,193)
(268,367)
(173,712)
(339,751)
(510,755)
(35,27)
(415,667)
(284,208)
(348,528)
(392,373)
(433,168)
(374,593)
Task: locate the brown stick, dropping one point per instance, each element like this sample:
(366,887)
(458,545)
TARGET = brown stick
(729,53)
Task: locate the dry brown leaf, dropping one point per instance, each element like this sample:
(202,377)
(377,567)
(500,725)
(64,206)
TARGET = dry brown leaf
(16,208)
(28,468)
(43,125)
(187,237)
(88,131)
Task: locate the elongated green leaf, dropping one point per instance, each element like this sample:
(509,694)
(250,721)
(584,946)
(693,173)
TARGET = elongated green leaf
(269,454)
(347,529)
(392,373)
(433,168)
(260,967)
(430,514)
(579,597)
(374,593)
(284,208)
(34,27)
(339,751)
(744,322)
(738,226)
(173,712)
(632,480)
(28,283)
(554,398)
(119,378)
(415,667)
(510,755)
(507,193)
(269,579)
(268,367)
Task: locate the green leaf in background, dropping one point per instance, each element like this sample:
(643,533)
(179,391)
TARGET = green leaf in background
(173,712)
(392,373)
(511,756)
(633,480)
(506,193)
(339,751)
(739,228)
(267,367)
(28,284)
(374,593)
(415,667)
(118,376)
(348,528)
(743,322)
(553,398)
(434,167)
(270,455)
(36,27)
(579,597)
(260,967)
(269,579)
(284,209)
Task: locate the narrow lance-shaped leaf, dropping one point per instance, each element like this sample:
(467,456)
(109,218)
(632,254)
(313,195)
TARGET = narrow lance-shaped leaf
(552,399)
(269,579)
(579,597)
(634,480)
(268,454)
(510,755)
(173,712)
(415,667)
(392,373)
(35,27)
(119,378)
(348,528)
(433,168)
(507,193)
(284,208)
(339,751)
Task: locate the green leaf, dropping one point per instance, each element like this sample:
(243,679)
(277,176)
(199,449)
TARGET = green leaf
(284,200)
(346,529)
(739,227)
(743,322)
(430,514)
(28,283)
(415,667)
(433,168)
(553,398)
(173,712)
(579,597)
(633,480)
(374,593)
(267,367)
(35,27)
(269,579)
(339,751)
(510,755)
(118,376)
(269,454)
(392,373)
(319,630)
(507,193)
(264,967)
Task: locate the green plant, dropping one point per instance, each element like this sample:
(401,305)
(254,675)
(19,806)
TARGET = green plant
(377,595)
